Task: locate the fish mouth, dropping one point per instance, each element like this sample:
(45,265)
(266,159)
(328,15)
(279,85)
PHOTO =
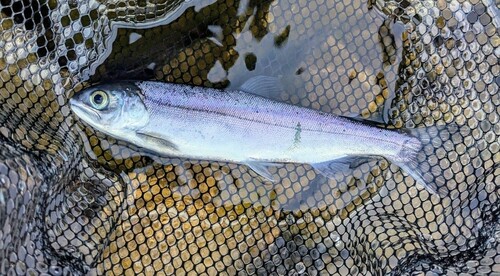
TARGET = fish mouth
(83,111)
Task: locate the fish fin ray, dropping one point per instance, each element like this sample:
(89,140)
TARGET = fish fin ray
(262,168)
(418,172)
(342,163)
(154,137)
(264,86)
(430,177)
(444,132)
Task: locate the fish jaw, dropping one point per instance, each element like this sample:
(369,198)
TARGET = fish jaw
(84,112)
(91,117)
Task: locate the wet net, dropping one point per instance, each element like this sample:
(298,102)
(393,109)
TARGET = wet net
(75,201)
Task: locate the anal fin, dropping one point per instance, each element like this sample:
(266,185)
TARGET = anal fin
(262,168)
(342,163)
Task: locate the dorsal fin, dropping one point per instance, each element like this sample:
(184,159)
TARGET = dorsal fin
(264,86)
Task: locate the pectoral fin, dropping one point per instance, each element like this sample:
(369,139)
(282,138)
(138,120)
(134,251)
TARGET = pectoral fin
(156,139)
(262,168)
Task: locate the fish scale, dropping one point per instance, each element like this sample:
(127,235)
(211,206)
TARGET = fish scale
(265,128)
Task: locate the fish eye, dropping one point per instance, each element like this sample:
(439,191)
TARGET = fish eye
(99,99)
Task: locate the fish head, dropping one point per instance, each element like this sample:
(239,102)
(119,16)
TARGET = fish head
(115,108)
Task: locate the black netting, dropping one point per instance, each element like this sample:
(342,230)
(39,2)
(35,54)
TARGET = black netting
(75,201)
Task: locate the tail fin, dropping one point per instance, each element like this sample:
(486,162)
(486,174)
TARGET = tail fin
(419,157)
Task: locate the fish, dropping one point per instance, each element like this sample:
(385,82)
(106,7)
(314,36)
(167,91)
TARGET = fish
(241,126)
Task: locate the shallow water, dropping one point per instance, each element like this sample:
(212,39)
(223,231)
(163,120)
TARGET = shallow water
(78,201)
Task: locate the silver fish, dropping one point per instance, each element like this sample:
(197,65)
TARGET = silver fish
(238,126)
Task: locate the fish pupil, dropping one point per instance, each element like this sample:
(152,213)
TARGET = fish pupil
(98,99)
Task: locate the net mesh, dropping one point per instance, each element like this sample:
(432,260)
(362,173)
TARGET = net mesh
(75,201)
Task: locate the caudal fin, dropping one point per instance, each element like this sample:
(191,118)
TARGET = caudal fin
(419,157)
